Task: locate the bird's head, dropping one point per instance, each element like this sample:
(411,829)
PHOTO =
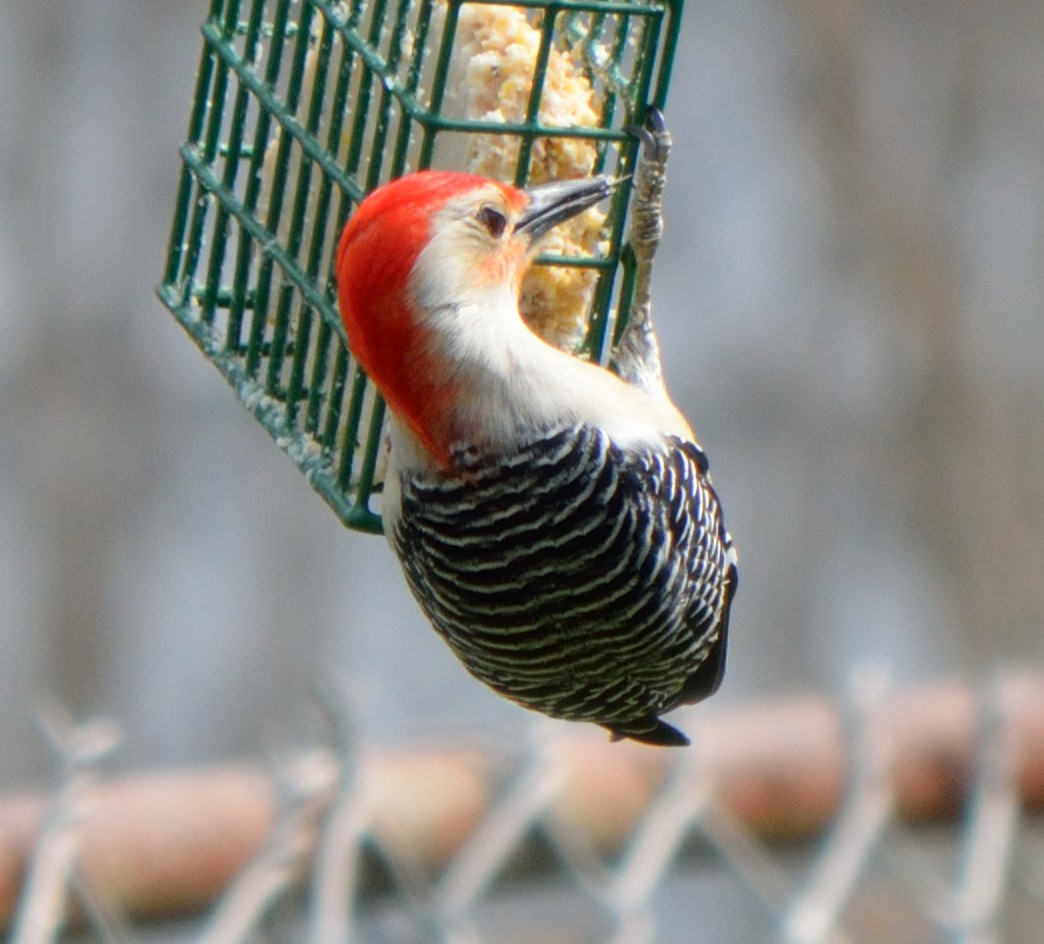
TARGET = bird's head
(428,273)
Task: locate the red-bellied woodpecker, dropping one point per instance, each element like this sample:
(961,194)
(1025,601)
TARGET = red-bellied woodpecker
(554,520)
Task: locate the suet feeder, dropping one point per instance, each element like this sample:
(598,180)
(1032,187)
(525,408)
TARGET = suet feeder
(304,106)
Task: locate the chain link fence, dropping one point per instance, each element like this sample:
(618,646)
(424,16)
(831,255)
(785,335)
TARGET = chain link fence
(888,817)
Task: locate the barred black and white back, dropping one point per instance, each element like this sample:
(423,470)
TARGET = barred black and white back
(578,578)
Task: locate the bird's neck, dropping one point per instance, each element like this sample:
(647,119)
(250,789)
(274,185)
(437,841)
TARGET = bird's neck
(480,377)
(499,388)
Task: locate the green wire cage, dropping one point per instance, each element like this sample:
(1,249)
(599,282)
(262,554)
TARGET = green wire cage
(304,106)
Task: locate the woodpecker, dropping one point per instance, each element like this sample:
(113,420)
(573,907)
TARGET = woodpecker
(554,519)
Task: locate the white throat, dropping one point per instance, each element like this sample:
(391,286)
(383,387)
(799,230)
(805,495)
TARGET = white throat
(508,384)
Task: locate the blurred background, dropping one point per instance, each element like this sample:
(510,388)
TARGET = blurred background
(851,306)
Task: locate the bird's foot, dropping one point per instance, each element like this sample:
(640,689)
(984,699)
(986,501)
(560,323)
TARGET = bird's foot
(650,175)
(637,357)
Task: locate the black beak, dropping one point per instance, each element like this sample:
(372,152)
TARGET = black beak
(560,200)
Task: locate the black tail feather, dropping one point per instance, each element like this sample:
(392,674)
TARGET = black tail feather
(652,730)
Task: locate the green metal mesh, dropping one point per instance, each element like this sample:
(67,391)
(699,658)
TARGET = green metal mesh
(301,108)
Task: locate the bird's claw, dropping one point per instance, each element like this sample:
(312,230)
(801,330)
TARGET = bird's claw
(653,135)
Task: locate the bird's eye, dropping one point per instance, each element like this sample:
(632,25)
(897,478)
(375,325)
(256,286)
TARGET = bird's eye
(493,220)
